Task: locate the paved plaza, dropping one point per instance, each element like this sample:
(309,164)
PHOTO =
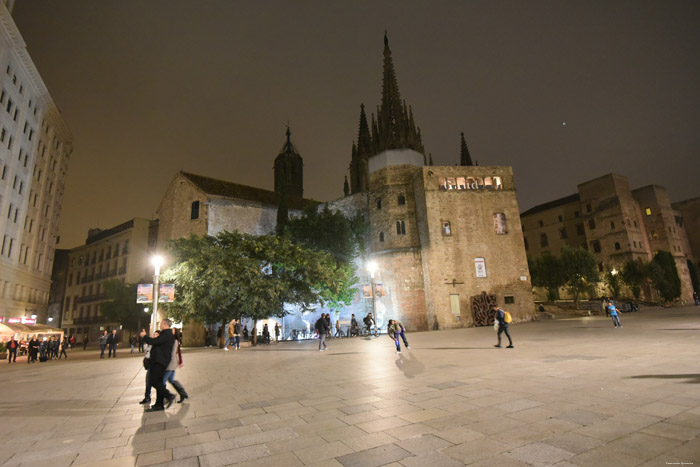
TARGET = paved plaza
(571,392)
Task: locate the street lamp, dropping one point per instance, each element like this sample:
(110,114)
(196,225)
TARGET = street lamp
(372,268)
(614,272)
(157,262)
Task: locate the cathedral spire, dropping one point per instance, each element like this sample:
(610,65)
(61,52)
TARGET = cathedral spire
(346,187)
(465,159)
(395,125)
(289,169)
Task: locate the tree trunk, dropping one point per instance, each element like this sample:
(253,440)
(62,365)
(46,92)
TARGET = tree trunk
(254,333)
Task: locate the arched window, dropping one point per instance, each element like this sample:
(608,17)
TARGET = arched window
(381,236)
(617,245)
(402,200)
(379,203)
(400,228)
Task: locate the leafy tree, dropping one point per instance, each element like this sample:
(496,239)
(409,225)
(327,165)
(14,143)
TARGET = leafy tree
(235,274)
(547,271)
(634,274)
(122,307)
(614,282)
(580,270)
(664,276)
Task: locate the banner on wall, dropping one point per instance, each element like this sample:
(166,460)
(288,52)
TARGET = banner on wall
(380,290)
(366,290)
(144,293)
(480,266)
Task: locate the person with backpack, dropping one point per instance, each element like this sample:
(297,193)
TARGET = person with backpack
(322,329)
(504,319)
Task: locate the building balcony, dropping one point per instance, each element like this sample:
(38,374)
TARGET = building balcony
(91,298)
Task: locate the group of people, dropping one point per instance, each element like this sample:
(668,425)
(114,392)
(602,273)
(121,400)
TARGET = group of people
(108,341)
(163,358)
(41,350)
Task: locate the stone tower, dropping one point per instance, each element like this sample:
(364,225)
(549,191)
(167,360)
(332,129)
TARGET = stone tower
(289,170)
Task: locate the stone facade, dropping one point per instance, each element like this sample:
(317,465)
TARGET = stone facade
(612,221)
(689,212)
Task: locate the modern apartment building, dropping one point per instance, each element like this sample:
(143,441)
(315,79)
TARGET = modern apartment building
(35,148)
(122,253)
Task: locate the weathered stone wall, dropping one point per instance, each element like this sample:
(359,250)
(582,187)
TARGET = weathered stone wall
(690,210)
(174,212)
(242,216)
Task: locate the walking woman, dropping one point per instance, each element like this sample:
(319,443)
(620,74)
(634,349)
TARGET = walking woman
(175,363)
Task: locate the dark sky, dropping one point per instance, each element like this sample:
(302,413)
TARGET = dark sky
(152,87)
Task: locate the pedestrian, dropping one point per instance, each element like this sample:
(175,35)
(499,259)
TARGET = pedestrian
(64,344)
(245,332)
(112,341)
(219,336)
(696,298)
(72,341)
(206,338)
(395,330)
(85,342)
(266,334)
(175,363)
(133,342)
(502,327)
(12,346)
(322,329)
(141,344)
(237,335)
(161,353)
(614,315)
(102,340)
(231,332)
(354,326)
(330,326)
(147,366)
(33,349)
(605,306)
(277,332)
(338,330)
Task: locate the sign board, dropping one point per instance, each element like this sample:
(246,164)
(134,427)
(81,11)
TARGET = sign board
(480,265)
(379,288)
(21,321)
(166,293)
(2,319)
(144,293)
(366,290)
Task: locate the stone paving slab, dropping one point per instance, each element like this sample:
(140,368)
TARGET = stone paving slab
(574,392)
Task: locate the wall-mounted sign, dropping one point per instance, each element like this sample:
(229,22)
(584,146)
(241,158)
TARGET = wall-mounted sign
(144,293)
(366,290)
(380,290)
(21,321)
(480,265)
(166,293)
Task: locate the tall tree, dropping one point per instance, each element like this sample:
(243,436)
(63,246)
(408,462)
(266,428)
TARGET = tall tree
(122,307)
(634,275)
(614,282)
(547,271)
(580,271)
(664,276)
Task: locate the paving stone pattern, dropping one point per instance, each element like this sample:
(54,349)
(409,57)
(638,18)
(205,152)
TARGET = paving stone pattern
(574,392)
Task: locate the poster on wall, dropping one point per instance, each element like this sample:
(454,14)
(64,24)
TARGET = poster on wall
(166,293)
(380,290)
(144,293)
(480,266)
(366,290)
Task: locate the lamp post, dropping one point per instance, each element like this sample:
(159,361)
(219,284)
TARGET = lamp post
(372,268)
(157,262)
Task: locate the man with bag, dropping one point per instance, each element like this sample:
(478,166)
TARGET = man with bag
(161,352)
(502,326)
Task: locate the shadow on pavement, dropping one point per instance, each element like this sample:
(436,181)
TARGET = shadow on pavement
(455,348)
(410,366)
(153,422)
(694,378)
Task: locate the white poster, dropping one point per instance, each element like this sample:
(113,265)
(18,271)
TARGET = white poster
(480,266)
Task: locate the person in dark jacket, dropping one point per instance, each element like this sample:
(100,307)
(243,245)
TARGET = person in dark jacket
(322,328)
(33,349)
(161,353)
(112,341)
(63,344)
(85,342)
(502,327)
(12,346)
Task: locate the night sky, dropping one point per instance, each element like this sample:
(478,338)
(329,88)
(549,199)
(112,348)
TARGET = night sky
(563,91)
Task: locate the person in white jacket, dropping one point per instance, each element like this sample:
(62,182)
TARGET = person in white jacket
(175,363)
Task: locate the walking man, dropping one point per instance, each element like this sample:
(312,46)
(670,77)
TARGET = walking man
(236,335)
(64,344)
(12,346)
(322,328)
(112,343)
(85,342)
(277,332)
(161,353)
(231,332)
(102,340)
(396,329)
(502,327)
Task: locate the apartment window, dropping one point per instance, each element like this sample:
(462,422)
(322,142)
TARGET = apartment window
(4,172)
(634,242)
(194,210)
(591,224)
(9,211)
(508,299)
(544,242)
(499,223)
(589,208)
(381,236)
(617,245)
(402,200)
(116,251)
(400,227)
(562,234)
(446,228)
(596,246)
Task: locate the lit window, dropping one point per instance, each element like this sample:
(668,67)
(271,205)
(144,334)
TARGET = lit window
(648,211)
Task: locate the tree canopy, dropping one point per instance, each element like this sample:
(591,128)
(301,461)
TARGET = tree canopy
(580,271)
(634,274)
(122,307)
(547,271)
(664,275)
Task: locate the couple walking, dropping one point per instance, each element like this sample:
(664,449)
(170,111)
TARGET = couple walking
(164,357)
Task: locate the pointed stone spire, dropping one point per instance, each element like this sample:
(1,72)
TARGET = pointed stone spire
(346,187)
(465,159)
(395,126)
(359,165)
(430,162)
(289,169)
